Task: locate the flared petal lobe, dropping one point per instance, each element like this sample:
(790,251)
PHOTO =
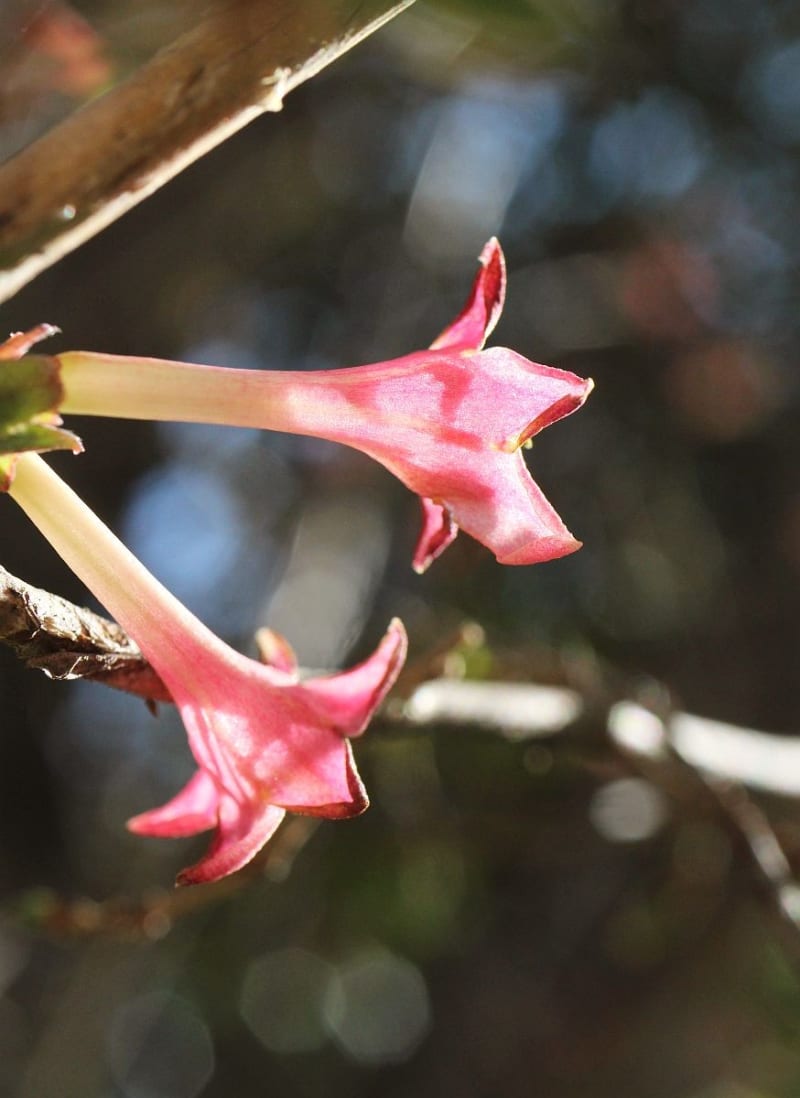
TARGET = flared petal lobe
(242,829)
(348,700)
(191,811)
(477,320)
(438,531)
(241,832)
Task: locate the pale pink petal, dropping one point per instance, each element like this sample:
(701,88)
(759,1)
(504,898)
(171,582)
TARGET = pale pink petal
(560,408)
(438,530)
(476,322)
(315,771)
(349,699)
(281,749)
(189,812)
(357,803)
(513,516)
(243,831)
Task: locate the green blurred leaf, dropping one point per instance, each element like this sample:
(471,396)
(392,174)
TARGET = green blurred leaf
(538,31)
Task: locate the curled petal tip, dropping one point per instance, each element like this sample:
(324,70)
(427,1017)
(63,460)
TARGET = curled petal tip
(492,284)
(347,701)
(193,875)
(478,318)
(438,530)
(388,660)
(235,846)
(396,635)
(357,802)
(541,550)
(559,409)
(396,641)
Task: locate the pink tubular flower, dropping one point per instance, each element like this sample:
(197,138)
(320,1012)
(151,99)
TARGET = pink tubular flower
(449,421)
(265,742)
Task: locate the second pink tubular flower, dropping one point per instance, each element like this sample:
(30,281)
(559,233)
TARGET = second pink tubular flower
(449,421)
(265,743)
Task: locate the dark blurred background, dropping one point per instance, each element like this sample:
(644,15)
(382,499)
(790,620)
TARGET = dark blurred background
(486,929)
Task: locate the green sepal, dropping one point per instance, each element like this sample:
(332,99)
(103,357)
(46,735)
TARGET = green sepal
(30,393)
(29,387)
(37,436)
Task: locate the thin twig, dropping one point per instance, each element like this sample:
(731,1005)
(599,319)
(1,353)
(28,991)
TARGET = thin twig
(153,914)
(241,60)
(669,765)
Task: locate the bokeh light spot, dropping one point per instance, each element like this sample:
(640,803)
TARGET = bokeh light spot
(628,811)
(653,148)
(378,1010)
(282,1000)
(158,1047)
(772,87)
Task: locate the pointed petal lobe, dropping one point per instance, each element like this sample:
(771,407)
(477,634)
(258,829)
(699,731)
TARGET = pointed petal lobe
(189,812)
(513,515)
(438,531)
(476,322)
(349,699)
(357,803)
(243,830)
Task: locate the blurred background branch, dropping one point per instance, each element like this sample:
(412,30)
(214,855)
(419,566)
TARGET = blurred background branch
(241,59)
